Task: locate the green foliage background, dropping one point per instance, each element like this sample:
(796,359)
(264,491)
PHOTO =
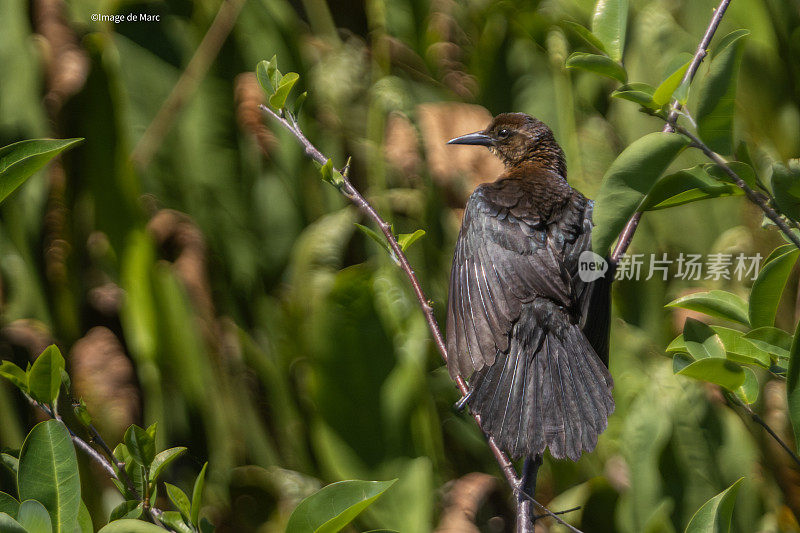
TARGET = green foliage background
(296,355)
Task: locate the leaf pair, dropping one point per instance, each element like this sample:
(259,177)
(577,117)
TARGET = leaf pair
(48,486)
(278,86)
(42,381)
(403,239)
(144,467)
(716,354)
(609,26)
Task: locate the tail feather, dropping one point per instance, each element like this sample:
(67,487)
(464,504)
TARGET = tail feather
(550,390)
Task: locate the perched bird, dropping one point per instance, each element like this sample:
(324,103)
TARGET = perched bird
(523,327)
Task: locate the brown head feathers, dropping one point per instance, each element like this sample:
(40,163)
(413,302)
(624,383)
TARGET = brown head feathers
(519,139)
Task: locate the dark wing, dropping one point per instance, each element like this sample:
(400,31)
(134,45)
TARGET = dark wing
(593,298)
(505,257)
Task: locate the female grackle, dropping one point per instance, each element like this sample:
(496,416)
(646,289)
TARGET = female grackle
(523,327)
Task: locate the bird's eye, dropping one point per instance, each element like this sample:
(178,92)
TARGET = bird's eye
(503,133)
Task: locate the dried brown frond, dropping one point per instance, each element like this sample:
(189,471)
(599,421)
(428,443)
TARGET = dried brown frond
(103,376)
(249,95)
(462,502)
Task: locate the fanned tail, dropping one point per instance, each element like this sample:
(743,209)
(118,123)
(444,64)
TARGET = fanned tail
(550,390)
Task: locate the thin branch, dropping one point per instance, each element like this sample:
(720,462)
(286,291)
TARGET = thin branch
(760,421)
(350,192)
(752,195)
(188,82)
(94,436)
(97,457)
(626,236)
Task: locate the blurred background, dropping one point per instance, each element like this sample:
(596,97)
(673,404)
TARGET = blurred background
(197,272)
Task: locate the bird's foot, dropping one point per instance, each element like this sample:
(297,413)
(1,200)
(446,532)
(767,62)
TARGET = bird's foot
(462,403)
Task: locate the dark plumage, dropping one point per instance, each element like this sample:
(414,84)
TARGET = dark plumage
(529,335)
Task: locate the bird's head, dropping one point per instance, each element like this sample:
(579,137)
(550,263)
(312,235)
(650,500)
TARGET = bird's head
(517,138)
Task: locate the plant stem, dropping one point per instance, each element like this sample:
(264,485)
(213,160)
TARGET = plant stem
(351,193)
(195,71)
(626,236)
(154,512)
(752,195)
(760,421)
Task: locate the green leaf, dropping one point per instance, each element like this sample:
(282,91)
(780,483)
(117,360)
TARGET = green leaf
(44,379)
(586,35)
(278,100)
(179,499)
(9,525)
(768,288)
(132,468)
(737,347)
(268,75)
(34,518)
(175,521)
(163,459)
(407,239)
(772,340)
(10,462)
(331,175)
(85,524)
(197,494)
(717,96)
(263,76)
(640,93)
(741,350)
(743,170)
(701,341)
(685,186)
(8,504)
(82,413)
(664,91)
(793,386)
(786,188)
(15,375)
(140,445)
(598,64)
(273,74)
(131,526)
(335,506)
(127,509)
(21,160)
(716,303)
(715,515)
(748,392)
(609,24)
(48,473)
(375,236)
(723,372)
(206,526)
(627,181)
(298,103)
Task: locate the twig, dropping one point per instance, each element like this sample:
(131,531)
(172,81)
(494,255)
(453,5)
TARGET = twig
(752,195)
(760,421)
(350,192)
(94,436)
(626,236)
(97,457)
(190,78)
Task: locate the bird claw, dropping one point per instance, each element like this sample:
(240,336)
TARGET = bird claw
(462,403)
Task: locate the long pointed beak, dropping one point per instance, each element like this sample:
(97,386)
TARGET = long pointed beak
(477,138)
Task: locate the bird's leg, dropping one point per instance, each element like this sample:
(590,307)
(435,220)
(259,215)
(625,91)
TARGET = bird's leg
(462,403)
(527,490)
